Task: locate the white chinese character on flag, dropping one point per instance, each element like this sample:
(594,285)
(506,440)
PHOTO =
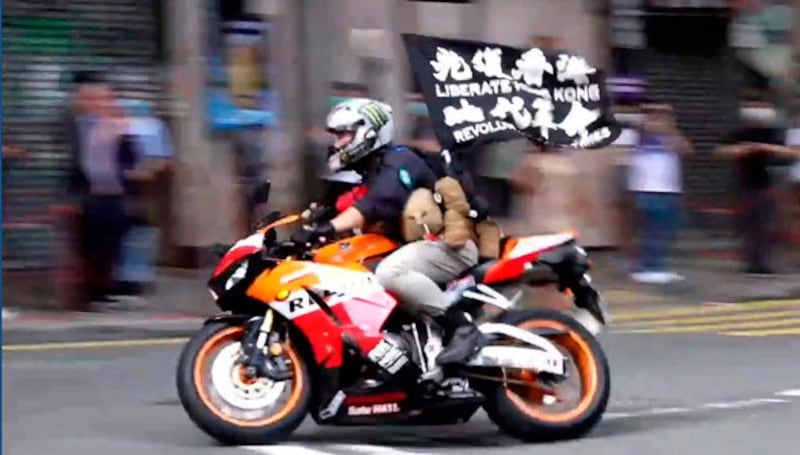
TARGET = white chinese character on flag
(449,63)
(573,68)
(489,61)
(467,113)
(531,67)
(578,119)
(516,109)
(543,119)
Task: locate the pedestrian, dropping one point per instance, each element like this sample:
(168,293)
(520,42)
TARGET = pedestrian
(103,169)
(757,145)
(655,180)
(148,202)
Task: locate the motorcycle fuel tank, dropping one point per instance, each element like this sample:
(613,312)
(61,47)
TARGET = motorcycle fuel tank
(359,249)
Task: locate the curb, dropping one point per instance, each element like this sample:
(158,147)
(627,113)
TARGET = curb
(72,328)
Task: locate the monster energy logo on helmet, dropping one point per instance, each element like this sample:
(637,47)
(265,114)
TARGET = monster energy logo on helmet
(376,116)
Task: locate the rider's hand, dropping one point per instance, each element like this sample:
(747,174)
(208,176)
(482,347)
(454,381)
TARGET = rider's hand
(316,213)
(318,232)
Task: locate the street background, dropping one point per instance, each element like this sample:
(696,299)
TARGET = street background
(236,91)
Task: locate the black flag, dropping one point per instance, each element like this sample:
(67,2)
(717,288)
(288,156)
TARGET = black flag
(480,92)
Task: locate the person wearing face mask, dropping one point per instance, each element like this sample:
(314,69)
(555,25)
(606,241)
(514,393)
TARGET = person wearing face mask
(654,178)
(756,146)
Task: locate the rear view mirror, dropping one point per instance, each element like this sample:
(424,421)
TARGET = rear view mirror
(261,193)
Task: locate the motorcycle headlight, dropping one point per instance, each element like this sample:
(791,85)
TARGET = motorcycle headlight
(237,275)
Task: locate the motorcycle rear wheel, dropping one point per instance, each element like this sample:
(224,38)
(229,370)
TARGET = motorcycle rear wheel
(229,407)
(519,415)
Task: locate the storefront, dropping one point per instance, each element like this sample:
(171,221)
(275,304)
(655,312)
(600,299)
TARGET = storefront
(44,42)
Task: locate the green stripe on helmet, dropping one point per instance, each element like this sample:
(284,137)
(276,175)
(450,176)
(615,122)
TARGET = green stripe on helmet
(375,115)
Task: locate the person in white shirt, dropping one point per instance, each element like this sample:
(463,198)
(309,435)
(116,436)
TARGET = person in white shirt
(654,178)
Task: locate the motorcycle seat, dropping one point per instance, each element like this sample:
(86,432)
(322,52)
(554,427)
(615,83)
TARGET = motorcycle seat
(478,271)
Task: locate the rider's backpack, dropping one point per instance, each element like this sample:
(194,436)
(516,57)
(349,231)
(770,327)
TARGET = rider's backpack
(487,232)
(445,166)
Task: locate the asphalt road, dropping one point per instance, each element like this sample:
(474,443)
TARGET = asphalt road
(673,393)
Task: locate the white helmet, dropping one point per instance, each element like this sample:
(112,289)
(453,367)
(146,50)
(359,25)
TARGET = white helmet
(361,126)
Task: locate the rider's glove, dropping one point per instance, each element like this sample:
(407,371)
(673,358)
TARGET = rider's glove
(316,213)
(323,230)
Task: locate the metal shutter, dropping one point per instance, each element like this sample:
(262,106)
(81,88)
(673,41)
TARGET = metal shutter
(44,41)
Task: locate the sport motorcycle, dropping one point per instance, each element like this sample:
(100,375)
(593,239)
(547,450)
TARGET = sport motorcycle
(307,329)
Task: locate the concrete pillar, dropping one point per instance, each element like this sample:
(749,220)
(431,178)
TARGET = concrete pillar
(204,193)
(473,20)
(315,69)
(374,38)
(284,143)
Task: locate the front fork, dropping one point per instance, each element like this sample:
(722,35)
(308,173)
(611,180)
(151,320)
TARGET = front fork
(262,349)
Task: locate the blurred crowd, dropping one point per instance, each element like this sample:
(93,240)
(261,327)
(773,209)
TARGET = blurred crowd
(758,149)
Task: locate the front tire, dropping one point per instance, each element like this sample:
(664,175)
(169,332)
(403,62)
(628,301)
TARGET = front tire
(527,418)
(230,408)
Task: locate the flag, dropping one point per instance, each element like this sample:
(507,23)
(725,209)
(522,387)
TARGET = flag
(480,93)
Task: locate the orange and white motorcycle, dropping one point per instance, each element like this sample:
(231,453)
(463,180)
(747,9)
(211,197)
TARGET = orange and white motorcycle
(310,330)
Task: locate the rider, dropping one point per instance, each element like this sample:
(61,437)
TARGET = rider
(364,131)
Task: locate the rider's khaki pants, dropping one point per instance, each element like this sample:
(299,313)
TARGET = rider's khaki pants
(413,271)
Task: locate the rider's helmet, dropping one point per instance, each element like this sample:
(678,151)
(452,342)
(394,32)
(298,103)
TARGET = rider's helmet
(361,127)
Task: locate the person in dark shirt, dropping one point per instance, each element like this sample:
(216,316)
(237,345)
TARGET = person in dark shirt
(364,132)
(104,181)
(755,147)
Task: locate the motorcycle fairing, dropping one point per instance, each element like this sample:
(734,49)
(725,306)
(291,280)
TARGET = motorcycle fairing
(327,303)
(518,253)
(241,249)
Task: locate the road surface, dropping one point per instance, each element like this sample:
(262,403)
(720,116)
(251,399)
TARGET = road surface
(721,380)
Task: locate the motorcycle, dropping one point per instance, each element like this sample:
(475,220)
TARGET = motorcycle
(308,329)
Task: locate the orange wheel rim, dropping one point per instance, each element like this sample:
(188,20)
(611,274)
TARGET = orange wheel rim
(589,377)
(200,373)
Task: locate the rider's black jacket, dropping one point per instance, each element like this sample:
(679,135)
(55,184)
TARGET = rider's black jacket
(397,173)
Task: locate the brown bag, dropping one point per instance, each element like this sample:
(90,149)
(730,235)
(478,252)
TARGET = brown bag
(489,235)
(458,229)
(452,195)
(420,211)
(458,226)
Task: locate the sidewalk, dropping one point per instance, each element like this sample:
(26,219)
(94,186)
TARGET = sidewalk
(181,301)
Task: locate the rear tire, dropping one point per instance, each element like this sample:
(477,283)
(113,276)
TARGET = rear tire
(197,392)
(524,420)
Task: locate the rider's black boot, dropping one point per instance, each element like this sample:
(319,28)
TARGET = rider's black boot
(464,338)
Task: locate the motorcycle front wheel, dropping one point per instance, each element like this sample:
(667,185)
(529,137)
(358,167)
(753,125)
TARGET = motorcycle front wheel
(231,407)
(534,407)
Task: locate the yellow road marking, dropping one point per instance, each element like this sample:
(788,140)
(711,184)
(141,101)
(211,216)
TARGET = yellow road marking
(625,298)
(737,308)
(716,327)
(746,316)
(764,333)
(93,344)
